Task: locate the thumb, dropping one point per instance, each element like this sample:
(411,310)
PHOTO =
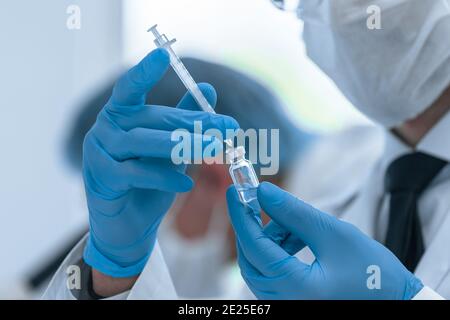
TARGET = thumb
(261,251)
(302,220)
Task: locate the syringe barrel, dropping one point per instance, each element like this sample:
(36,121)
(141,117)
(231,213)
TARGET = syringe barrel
(188,81)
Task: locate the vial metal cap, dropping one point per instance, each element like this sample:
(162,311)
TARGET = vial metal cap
(236,153)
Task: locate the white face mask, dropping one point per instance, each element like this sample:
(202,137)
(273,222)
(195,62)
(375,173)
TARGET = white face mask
(390,74)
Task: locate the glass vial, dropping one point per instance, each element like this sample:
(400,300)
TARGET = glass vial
(244,177)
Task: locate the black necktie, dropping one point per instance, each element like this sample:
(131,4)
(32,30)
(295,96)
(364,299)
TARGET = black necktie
(406,179)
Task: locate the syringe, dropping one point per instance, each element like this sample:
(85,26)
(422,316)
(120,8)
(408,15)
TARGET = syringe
(241,170)
(162,41)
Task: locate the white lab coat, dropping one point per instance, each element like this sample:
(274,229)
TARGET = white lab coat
(357,151)
(154,282)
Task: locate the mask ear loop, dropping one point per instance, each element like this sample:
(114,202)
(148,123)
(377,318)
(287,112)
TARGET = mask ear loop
(279,4)
(286,5)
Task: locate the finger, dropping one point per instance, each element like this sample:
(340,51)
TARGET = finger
(261,284)
(155,174)
(188,102)
(296,216)
(247,270)
(168,119)
(285,239)
(262,253)
(255,280)
(252,277)
(110,177)
(179,146)
(142,113)
(133,86)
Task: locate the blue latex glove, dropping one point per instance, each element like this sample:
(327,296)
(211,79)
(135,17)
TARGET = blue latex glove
(129,177)
(343,253)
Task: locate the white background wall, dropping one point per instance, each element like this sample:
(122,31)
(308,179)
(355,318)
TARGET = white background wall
(46,70)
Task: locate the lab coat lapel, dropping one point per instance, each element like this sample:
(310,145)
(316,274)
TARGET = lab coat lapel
(434,267)
(155,281)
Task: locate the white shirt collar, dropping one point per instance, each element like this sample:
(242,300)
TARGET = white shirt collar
(435,143)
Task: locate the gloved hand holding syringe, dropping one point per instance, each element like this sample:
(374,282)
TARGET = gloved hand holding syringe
(241,170)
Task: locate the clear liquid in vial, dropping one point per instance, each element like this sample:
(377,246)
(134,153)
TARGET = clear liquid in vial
(244,178)
(247,193)
(248,196)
